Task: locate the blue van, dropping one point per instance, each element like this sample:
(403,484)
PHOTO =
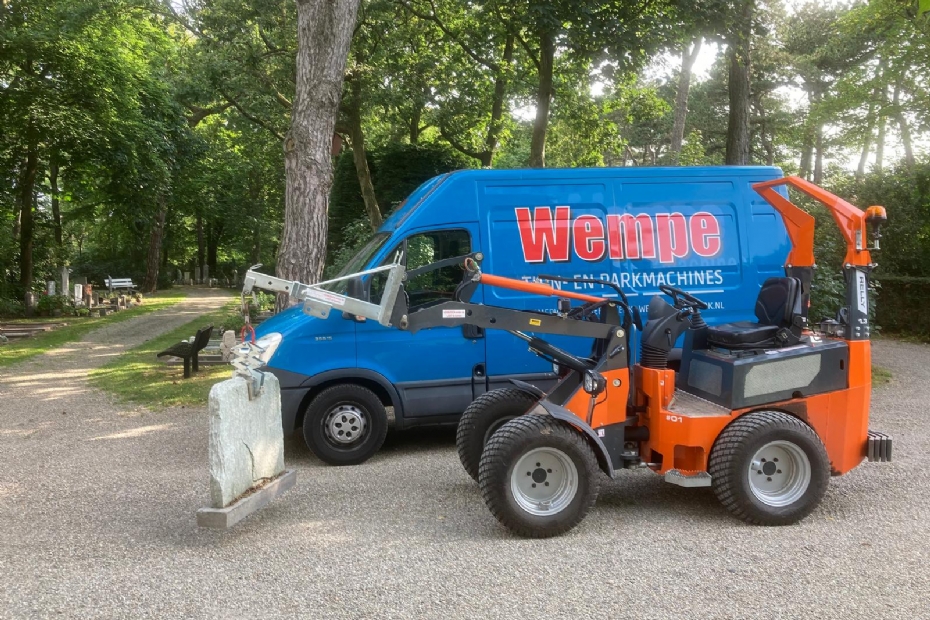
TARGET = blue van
(700,229)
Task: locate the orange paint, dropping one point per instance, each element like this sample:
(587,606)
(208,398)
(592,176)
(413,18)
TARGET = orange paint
(536,288)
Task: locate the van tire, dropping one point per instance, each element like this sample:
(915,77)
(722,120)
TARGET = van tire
(345,424)
(482,418)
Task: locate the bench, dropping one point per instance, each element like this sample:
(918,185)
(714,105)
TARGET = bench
(189,350)
(114,284)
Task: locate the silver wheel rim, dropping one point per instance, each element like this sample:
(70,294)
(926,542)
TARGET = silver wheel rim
(345,424)
(779,473)
(544,481)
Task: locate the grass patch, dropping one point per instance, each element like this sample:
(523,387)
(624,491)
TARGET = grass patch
(18,350)
(137,376)
(880,376)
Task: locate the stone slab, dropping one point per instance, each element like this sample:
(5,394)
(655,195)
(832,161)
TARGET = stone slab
(225,518)
(246,438)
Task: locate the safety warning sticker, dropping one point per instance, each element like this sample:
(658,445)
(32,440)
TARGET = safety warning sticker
(453,313)
(330,298)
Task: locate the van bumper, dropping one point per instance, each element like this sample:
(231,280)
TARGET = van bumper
(292,395)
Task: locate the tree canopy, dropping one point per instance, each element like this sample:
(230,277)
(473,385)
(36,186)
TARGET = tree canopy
(145,138)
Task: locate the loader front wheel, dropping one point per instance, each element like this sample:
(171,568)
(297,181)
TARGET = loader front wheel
(345,424)
(538,476)
(769,468)
(482,418)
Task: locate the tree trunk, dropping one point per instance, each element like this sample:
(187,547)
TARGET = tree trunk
(681,99)
(324,32)
(543,99)
(214,234)
(201,245)
(818,160)
(497,107)
(867,141)
(166,241)
(56,206)
(738,89)
(415,123)
(155,238)
(26,199)
(880,140)
(809,139)
(903,126)
(359,155)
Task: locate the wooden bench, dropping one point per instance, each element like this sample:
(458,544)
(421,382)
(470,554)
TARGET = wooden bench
(114,284)
(188,351)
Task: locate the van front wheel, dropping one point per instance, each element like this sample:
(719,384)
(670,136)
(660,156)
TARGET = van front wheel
(345,424)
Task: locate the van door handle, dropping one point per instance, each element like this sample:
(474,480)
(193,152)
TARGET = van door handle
(472,332)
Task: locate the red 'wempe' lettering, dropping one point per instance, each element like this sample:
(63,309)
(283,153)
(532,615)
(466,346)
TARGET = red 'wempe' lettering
(631,236)
(539,234)
(673,236)
(589,237)
(670,235)
(705,234)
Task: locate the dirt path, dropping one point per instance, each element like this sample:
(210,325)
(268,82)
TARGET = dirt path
(56,381)
(97,508)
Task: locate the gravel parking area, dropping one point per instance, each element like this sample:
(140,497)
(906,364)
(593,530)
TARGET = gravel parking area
(97,506)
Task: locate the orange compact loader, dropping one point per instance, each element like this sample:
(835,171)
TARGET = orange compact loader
(763,412)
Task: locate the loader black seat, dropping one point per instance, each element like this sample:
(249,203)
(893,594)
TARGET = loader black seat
(778,308)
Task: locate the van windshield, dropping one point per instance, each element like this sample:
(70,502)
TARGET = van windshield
(359,261)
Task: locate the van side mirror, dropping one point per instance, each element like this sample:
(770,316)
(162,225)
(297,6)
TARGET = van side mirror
(356,288)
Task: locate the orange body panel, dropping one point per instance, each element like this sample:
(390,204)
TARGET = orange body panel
(684,441)
(609,407)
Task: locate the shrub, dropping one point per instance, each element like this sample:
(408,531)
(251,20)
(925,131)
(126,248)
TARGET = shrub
(11,308)
(50,303)
(232,321)
(903,305)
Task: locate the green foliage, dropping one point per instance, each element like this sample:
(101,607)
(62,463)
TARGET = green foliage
(396,171)
(50,303)
(903,306)
(905,193)
(354,236)
(234,321)
(11,308)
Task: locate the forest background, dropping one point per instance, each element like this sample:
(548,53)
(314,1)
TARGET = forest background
(140,138)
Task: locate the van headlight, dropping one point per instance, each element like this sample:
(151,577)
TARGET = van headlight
(268,344)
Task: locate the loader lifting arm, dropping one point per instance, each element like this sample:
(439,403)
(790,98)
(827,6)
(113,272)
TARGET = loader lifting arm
(853,224)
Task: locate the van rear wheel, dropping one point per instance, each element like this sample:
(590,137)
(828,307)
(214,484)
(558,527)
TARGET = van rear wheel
(345,424)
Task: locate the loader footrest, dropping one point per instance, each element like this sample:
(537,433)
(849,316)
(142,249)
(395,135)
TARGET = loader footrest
(879,447)
(688,479)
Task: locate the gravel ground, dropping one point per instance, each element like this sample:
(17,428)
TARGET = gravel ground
(97,508)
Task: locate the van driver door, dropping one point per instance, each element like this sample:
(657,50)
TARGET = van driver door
(439,371)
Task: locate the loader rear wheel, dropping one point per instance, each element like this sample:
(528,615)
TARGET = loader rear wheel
(769,468)
(484,416)
(538,476)
(345,424)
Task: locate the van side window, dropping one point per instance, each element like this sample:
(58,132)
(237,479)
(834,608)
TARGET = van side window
(421,250)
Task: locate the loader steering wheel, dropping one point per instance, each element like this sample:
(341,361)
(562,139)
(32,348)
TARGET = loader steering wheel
(682,299)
